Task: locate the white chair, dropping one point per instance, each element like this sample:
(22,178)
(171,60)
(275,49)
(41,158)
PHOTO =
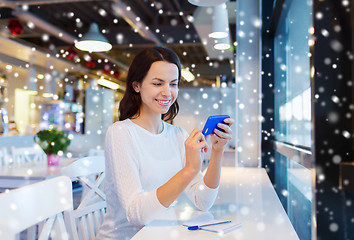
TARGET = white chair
(4,158)
(84,221)
(28,154)
(40,203)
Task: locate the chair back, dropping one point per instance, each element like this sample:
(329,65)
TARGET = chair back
(4,158)
(84,221)
(39,203)
(28,154)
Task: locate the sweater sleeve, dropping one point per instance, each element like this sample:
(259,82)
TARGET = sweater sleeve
(200,194)
(122,167)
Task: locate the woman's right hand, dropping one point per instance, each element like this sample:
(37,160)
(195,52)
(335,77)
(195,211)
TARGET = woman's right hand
(195,145)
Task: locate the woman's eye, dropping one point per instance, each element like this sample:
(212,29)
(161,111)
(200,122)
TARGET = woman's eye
(157,84)
(174,84)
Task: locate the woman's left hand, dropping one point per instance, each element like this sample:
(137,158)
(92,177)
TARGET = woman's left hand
(220,138)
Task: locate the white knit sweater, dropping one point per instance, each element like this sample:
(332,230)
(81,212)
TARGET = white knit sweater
(137,163)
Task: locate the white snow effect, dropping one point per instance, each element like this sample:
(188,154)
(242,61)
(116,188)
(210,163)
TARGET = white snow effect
(335,99)
(319,15)
(345,3)
(333,117)
(30,25)
(245,211)
(336,159)
(120,38)
(45,37)
(337,28)
(346,134)
(324,32)
(321,177)
(333,227)
(174,22)
(336,45)
(327,61)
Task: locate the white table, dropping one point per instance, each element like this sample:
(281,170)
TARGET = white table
(246,196)
(18,175)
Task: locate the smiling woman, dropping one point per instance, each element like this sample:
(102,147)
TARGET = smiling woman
(139,71)
(159,89)
(150,162)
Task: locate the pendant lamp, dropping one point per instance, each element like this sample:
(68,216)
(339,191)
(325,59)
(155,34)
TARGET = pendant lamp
(222,43)
(206,3)
(220,25)
(93,41)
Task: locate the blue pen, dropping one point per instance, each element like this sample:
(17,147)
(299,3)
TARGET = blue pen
(196,227)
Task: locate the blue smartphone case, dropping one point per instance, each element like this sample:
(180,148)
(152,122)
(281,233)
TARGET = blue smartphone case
(212,122)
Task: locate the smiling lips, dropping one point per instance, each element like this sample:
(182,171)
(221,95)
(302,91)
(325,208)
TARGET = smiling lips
(163,102)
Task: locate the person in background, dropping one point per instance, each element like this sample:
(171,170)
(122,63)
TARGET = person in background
(13,130)
(150,162)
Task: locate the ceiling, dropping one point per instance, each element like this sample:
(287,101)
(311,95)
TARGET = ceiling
(129,25)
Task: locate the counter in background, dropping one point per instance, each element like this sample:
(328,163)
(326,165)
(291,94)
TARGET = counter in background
(246,196)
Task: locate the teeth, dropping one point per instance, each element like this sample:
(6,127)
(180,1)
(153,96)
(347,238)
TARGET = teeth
(163,101)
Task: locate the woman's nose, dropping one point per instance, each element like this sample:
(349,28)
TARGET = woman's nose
(166,91)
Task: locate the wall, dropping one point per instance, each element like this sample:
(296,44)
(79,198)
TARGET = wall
(248,91)
(98,117)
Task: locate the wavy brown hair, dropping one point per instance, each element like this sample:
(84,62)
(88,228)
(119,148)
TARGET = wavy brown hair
(131,102)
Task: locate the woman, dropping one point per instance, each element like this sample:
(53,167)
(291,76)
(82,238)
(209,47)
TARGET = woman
(149,162)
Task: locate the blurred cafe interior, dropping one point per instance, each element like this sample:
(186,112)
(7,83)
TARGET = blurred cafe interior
(283,70)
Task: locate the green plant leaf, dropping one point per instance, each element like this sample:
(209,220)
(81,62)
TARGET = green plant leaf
(52,141)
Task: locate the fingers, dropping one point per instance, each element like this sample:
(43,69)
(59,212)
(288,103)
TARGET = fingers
(229,121)
(196,136)
(197,140)
(216,139)
(222,135)
(205,149)
(226,133)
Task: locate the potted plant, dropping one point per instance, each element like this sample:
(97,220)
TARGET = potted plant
(54,143)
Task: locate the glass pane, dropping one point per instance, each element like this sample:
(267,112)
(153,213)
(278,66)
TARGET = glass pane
(293,115)
(300,199)
(294,189)
(292,74)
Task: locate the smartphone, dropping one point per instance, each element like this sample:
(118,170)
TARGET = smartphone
(212,123)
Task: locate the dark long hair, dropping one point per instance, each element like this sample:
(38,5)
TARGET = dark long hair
(130,104)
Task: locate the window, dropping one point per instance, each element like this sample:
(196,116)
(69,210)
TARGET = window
(292,100)
(292,74)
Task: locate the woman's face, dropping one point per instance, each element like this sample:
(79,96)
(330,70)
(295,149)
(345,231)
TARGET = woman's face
(159,88)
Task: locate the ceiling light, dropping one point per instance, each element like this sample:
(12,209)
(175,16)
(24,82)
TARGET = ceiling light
(220,26)
(107,83)
(222,44)
(31,92)
(206,3)
(47,95)
(187,75)
(93,41)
